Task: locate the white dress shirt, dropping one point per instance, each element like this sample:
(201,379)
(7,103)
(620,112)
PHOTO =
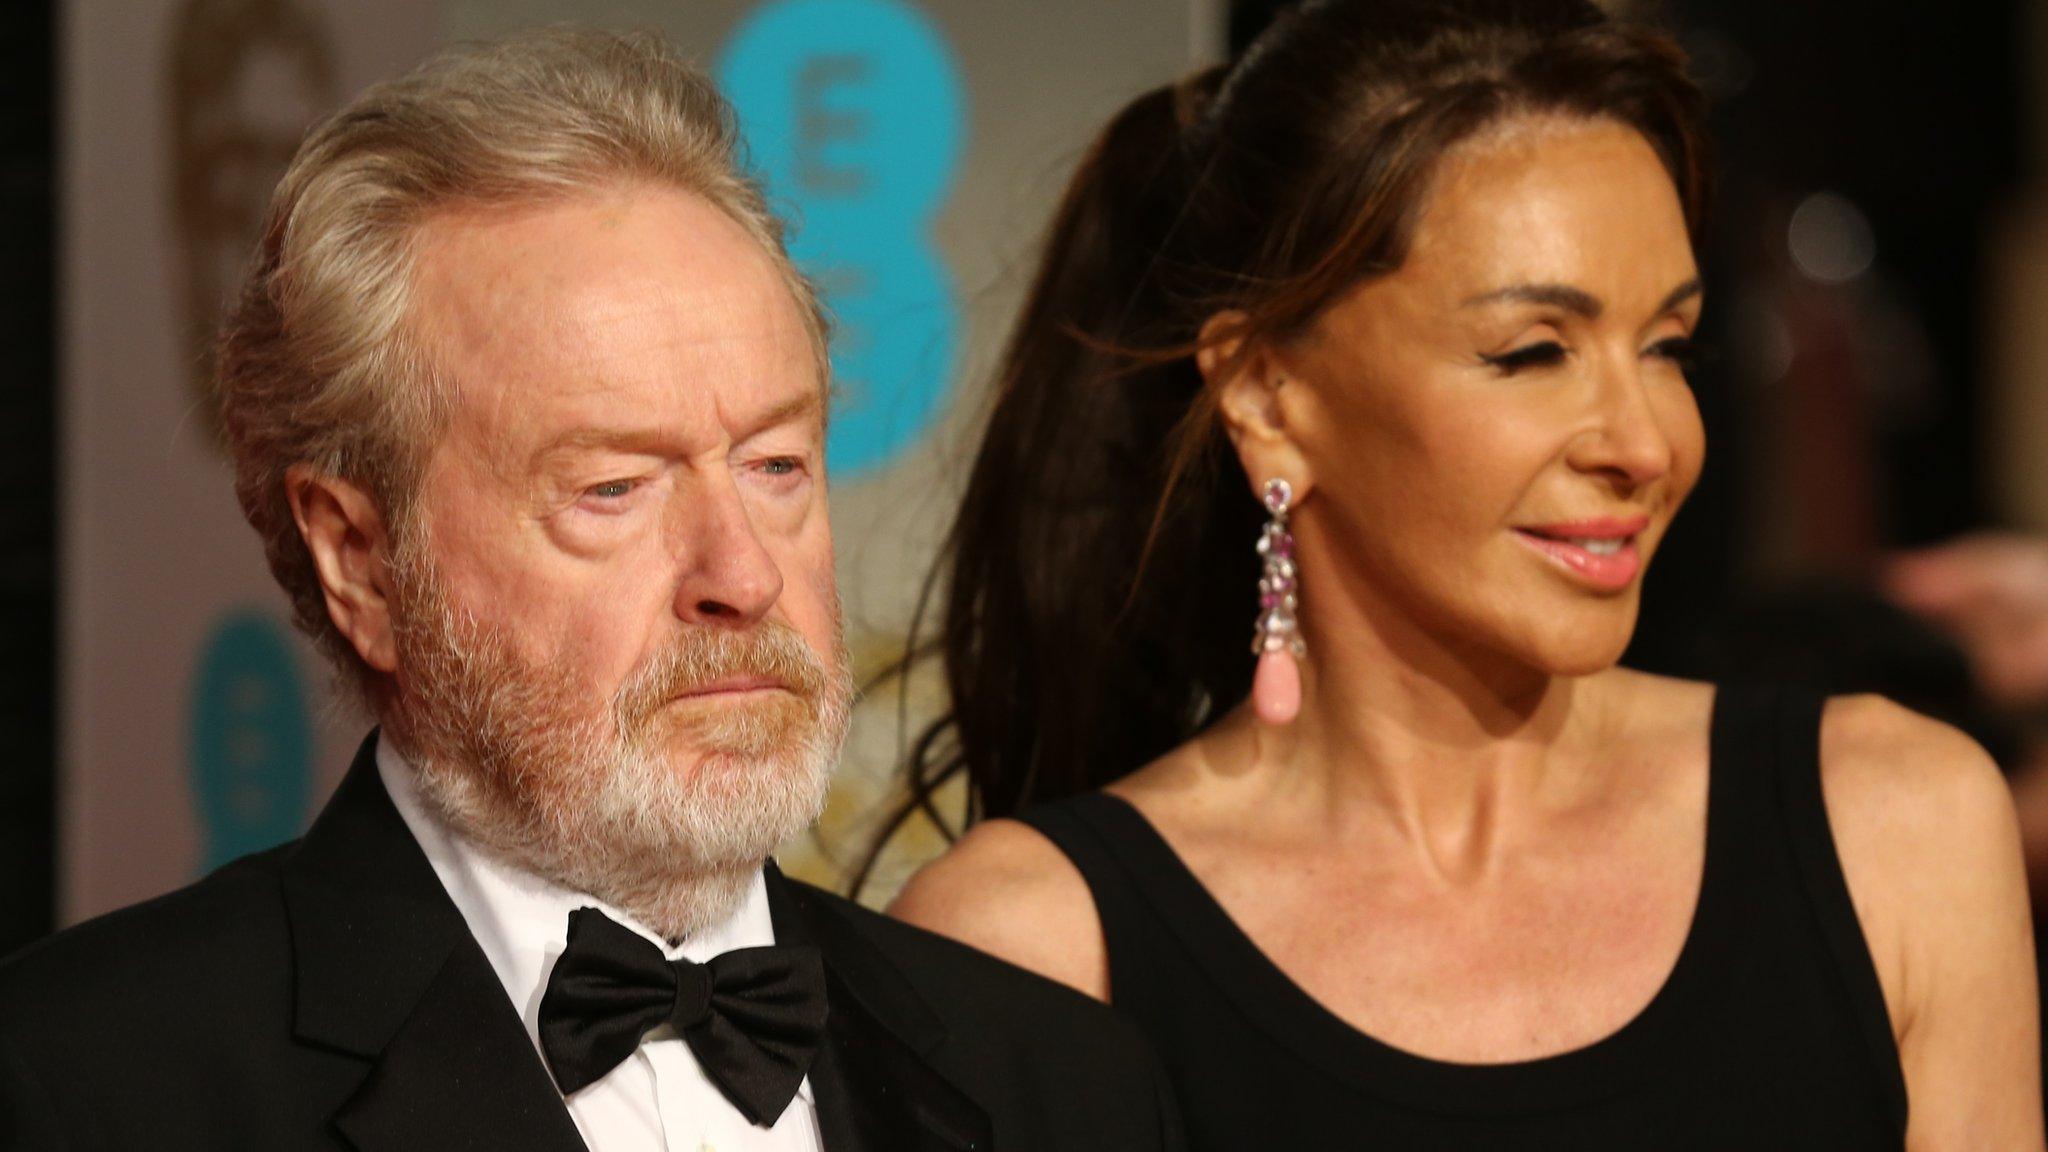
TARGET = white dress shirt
(658,1099)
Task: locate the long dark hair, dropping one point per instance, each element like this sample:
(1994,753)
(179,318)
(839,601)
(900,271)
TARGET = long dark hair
(1099,582)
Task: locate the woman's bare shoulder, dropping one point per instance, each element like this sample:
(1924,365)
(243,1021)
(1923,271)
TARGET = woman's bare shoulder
(1007,890)
(1925,832)
(1905,790)
(1929,844)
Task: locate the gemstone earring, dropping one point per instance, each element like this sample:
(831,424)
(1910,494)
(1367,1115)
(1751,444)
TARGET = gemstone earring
(1276,685)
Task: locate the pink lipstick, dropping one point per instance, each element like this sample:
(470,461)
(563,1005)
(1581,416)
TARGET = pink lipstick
(1601,551)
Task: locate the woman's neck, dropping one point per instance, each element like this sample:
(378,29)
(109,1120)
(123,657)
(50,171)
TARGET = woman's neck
(1404,730)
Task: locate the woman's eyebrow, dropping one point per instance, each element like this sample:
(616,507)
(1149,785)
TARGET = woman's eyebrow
(1681,294)
(1574,300)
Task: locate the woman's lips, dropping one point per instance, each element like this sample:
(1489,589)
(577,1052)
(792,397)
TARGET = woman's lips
(1599,552)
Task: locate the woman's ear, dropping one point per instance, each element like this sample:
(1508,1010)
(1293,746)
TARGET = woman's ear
(1248,381)
(346,534)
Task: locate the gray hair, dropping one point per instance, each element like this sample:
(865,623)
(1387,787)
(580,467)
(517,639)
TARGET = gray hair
(318,363)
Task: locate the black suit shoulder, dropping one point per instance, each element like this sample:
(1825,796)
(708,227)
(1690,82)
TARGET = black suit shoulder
(154,1006)
(206,937)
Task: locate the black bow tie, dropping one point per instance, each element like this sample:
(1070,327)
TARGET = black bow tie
(753,1016)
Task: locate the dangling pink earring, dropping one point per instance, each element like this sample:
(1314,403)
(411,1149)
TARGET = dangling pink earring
(1276,686)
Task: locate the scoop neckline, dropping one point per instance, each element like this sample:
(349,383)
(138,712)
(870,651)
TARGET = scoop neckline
(1274,1002)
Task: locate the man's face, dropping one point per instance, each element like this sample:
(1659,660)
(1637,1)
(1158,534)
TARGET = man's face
(616,594)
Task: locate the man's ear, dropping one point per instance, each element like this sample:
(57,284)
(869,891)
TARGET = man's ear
(351,547)
(1248,381)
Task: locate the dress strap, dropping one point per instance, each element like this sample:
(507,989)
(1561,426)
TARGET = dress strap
(1075,825)
(1812,843)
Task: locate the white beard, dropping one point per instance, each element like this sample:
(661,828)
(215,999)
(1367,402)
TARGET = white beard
(509,752)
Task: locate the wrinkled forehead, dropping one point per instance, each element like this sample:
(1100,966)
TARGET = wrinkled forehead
(643,299)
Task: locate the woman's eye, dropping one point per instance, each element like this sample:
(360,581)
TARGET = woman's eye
(1515,360)
(1680,350)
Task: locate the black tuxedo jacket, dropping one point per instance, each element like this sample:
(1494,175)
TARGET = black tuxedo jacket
(328,995)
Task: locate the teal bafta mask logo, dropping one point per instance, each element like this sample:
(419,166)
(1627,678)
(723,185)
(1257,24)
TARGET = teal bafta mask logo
(854,117)
(250,750)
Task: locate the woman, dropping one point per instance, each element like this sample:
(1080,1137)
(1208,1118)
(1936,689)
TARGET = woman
(1418,275)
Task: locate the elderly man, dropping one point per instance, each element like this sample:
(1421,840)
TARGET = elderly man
(527,403)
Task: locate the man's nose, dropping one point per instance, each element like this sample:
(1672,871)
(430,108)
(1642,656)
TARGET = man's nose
(726,574)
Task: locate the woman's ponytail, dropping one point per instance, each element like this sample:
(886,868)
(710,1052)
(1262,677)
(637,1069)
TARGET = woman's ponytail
(1063,672)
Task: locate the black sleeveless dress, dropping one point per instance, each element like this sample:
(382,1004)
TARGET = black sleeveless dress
(1770,1033)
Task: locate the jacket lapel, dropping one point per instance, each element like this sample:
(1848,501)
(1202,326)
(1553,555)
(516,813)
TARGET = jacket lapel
(387,970)
(460,1074)
(874,1083)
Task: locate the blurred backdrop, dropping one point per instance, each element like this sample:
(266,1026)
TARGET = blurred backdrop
(1877,372)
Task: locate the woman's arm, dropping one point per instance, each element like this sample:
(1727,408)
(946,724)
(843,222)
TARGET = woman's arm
(1930,848)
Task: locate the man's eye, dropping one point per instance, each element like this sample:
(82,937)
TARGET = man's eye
(611,489)
(1542,355)
(781,465)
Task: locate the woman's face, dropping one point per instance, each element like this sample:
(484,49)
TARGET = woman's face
(1499,433)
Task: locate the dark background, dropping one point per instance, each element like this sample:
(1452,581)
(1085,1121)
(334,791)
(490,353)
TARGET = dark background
(28,474)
